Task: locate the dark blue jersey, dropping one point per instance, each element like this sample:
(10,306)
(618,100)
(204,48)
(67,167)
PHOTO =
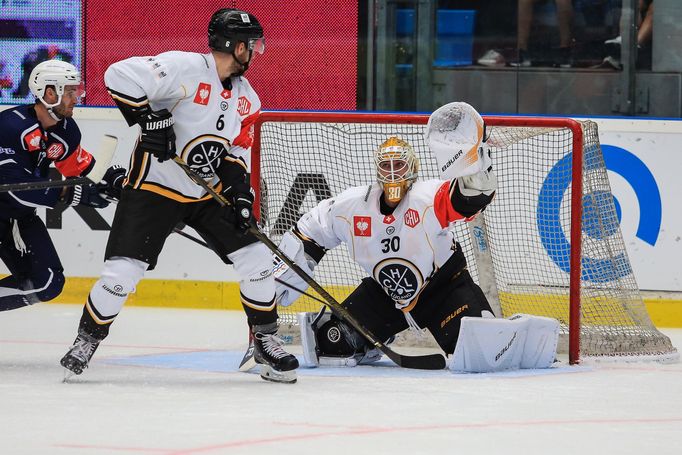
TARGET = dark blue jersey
(26,151)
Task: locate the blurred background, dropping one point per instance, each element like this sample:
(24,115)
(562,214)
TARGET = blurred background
(559,57)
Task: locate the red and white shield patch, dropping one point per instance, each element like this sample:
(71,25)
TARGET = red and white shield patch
(55,151)
(388,219)
(362,226)
(412,218)
(203,94)
(243,105)
(34,140)
(226,94)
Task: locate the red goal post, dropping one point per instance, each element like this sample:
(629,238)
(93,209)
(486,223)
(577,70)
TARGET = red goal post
(518,251)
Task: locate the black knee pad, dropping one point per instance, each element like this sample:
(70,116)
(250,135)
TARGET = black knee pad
(338,339)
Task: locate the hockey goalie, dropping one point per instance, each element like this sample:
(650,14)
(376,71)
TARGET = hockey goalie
(398,230)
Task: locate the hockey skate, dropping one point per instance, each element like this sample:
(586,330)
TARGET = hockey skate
(277,365)
(79,355)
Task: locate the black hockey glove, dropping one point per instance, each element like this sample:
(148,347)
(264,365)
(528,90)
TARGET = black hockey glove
(158,137)
(112,183)
(241,211)
(87,195)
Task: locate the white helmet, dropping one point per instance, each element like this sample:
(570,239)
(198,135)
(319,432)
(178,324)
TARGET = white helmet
(397,166)
(456,135)
(56,73)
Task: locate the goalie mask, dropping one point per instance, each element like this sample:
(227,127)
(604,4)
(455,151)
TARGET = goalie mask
(397,166)
(59,75)
(456,134)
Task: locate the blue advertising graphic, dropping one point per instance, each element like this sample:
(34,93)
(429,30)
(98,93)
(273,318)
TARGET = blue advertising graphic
(602,213)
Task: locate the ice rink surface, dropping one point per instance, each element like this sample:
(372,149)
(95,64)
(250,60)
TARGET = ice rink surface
(166,382)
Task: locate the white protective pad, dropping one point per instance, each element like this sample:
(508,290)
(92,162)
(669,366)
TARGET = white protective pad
(119,278)
(541,341)
(488,345)
(308,341)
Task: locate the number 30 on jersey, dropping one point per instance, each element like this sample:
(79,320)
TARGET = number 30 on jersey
(390,245)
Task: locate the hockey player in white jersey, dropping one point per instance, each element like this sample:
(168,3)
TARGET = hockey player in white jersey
(398,231)
(200,108)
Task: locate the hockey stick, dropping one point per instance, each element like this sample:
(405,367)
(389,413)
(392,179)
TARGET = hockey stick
(284,283)
(102,161)
(28,186)
(421,362)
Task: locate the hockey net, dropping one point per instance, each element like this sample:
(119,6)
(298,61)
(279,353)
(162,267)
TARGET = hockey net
(550,243)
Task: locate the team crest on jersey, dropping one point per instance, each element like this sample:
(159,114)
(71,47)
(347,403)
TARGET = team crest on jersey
(388,219)
(399,278)
(55,151)
(203,94)
(412,218)
(243,106)
(34,140)
(362,226)
(204,153)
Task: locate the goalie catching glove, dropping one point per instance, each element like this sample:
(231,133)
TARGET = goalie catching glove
(456,134)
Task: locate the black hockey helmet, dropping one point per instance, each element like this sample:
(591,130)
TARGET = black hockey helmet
(229,26)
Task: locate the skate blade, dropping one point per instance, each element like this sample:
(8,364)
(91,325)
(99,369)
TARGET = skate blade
(68,374)
(272,375)
(247,364)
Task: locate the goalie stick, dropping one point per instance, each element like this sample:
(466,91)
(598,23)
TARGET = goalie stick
(102,160)
(421,362)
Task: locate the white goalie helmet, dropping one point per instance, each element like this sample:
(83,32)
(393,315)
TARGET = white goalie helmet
(55,73)
(456,134)
(397,167)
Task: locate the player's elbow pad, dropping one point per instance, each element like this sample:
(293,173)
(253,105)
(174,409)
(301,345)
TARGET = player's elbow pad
(474,192)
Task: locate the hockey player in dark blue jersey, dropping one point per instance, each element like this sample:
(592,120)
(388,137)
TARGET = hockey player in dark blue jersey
(31,138)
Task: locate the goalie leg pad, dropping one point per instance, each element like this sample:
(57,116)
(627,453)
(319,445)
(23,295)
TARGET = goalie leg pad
(308,341)
(329,341)
(541,341)
(488,345)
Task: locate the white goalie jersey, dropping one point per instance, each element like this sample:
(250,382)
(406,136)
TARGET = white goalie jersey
(212,123)
(400,251)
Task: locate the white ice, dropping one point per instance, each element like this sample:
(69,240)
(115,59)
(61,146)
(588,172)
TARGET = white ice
(165,382)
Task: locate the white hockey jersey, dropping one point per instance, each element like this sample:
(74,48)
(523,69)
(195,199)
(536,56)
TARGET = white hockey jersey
(211,122)
(400,251)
